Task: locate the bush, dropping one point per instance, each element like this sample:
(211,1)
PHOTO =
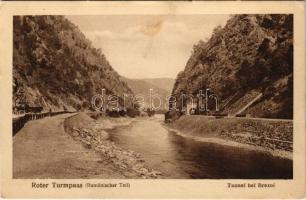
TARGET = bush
(132,112)
(150,112)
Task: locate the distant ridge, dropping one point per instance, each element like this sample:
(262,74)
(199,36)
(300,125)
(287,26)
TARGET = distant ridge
(160,86)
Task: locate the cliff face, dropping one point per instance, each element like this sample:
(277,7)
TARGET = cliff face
(250,55)
(54,65)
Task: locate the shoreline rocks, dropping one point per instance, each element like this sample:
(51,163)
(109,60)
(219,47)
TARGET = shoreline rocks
(269,134)
(94,136)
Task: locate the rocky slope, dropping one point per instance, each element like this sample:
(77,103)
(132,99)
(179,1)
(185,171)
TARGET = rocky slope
(251,54)
(55,66)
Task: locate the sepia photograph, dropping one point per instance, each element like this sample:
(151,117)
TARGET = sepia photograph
(197,96)
(152,99)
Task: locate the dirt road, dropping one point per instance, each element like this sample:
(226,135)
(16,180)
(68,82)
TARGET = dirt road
(42,149)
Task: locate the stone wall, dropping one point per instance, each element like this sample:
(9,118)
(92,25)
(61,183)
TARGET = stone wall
(267,133)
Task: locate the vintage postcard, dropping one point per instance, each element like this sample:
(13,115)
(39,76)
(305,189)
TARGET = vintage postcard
(152,99)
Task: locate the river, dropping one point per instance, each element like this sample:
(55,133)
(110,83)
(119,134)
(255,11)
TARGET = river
(180,157)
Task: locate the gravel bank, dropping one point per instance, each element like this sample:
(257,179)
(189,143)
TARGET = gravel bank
(93,134)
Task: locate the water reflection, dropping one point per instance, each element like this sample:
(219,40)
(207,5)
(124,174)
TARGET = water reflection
(179,157)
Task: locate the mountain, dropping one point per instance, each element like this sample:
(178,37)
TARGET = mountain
(163,83)
(161,87)
(250,57)
(55,66)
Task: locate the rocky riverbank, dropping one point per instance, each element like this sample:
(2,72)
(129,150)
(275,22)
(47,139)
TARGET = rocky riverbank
(273,136)
(92,133)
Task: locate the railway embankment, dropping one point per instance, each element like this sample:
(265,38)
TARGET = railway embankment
(272,135)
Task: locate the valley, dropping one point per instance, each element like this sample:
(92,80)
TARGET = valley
(226,114)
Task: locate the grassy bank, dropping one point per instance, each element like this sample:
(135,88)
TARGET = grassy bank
(271,135)
(92,133)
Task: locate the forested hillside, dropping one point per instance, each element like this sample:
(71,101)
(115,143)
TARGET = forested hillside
(250,55)
(161,87)
(54,65)
(163,83)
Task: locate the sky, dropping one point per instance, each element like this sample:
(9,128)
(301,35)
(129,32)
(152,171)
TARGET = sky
(147,46)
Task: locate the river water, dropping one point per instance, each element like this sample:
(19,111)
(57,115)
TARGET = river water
(180,157)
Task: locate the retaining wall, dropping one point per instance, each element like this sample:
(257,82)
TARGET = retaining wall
(267,133)
(19,122)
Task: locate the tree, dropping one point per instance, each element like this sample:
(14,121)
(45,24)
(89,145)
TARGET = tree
(216,30)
